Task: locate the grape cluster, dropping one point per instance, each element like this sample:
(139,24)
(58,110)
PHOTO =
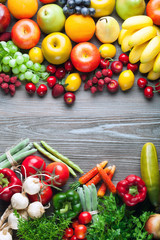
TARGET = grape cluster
(21,65)
(77,6)
(9,84)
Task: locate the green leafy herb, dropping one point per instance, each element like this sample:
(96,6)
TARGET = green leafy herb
(48,228)
(115,222)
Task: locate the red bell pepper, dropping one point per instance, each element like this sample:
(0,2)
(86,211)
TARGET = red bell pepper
(132,190)
(9,184)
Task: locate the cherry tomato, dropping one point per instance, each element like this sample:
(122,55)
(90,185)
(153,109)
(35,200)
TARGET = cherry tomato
(104,63)
(124,58)
(132,67)
(74,238)
(148,92)
(31,165)
(84,218)
(75,223)
(80,231)
(65,238)
(57,169)
(142,82)
(68,232)
(44,196)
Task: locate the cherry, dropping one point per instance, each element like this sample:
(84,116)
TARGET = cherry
(30,88)
(148,92)
(113,86)
(69,98)
(116,67)
(42,90)
(51,68)
(104,63)
(107,72)
(142,82)
(124,58)
(60,73)
(51,81)
(132,67)
(68,66)
(157,87)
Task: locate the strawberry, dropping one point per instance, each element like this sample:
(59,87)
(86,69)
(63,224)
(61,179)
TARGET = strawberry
(57,90)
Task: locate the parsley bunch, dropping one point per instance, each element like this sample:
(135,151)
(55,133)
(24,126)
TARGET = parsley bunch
(116,223)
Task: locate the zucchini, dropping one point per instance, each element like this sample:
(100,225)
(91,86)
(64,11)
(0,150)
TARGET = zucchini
(150,172)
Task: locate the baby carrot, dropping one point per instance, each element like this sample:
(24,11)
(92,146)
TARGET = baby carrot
(96,179)
(106,179)
(102,190)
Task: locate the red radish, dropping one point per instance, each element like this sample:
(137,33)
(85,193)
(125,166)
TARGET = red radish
(57,90)
(153,225)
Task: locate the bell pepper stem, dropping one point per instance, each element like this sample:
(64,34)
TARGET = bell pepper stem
(133,190)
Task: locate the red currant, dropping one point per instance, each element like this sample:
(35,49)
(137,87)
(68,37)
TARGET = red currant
(51,81)
(142,82)
(124,58)
(30,88)
(51,68)
(42,90)
(60,73)
(148,92)
(68,66)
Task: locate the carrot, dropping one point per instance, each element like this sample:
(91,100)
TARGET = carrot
(106,179)
(87,176)
(102,190)
(96,179)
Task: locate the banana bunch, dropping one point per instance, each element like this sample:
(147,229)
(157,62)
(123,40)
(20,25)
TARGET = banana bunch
(139,36)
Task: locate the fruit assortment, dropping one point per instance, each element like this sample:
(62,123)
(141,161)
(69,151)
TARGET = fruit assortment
(92,207)
(68,55)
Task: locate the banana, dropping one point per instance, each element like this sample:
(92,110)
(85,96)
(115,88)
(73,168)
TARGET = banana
(157,29)
(142,35)
(153,76)
(146,67)
(151,50)
(135,53)
(137,22)
(122,35)
(124,45)
(156,66)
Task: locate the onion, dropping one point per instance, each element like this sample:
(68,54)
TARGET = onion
(153,225)
(19,201)
(5,235)
(31,185)
(35,210)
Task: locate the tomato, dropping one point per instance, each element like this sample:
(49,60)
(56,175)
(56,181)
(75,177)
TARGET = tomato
(84,218)
(126,80)
(68,232)
(74,82)
(32,164)
(36,55)
(60,170)
(75,223)
(74,238)
(44,196)
(107,50)
(153,11)
(80,231)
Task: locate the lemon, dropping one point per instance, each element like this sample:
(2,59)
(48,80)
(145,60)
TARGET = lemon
(107,50)
(36,55)
(126,80)
(73,82)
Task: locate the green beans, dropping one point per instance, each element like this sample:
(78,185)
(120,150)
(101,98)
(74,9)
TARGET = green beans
(61,157)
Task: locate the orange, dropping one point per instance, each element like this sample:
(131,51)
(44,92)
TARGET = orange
(80,28)
(23,8)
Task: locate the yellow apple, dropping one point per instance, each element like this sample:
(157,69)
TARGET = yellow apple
(107,29)
(102,7)
(56,48)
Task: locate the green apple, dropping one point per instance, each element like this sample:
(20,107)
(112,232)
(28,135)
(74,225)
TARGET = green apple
(129,8)
(51,18)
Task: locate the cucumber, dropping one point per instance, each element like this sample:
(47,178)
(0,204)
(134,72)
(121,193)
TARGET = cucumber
(150,172)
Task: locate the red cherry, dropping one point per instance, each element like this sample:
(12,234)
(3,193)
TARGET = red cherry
(69,98)
(60,73)
(148,92)
(68,66)
(104,63)
(132,67)
(51,68)
(42,90)
(157,87)
(124,58)
(51,81)
(107,72)
(113,86)
(116,67)
(30,88)
(142,82)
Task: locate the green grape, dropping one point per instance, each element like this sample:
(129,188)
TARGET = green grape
(15,70)
(29,64)
(43,68)
(0,68)
(6,60)
(26,57)
(35,79)
(44,75)
(36,67)
(22,68)
(4,44)
(17,54)
(12,63)
(28,75)
(10,43)
(21,77)
(13,49)
(6,68)
(19,60)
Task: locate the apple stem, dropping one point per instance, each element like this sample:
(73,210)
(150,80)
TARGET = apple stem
(104,18)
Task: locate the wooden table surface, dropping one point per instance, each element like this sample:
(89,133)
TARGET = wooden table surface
(97,127)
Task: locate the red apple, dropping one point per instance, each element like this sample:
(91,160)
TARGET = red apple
(25,34)
(116,67)
(85,57)
(5,18)
(153,11)
(113,86)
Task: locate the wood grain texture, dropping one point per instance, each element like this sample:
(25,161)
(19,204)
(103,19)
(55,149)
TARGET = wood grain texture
(99,127)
